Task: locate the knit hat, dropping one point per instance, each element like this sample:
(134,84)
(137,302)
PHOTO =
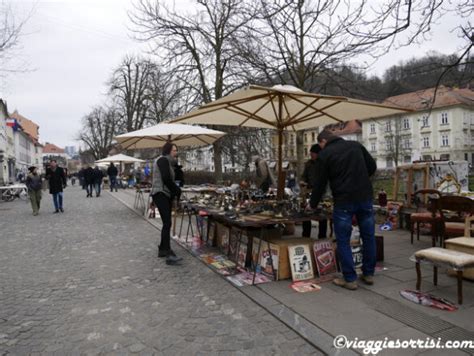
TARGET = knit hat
(31,169)
(315,148)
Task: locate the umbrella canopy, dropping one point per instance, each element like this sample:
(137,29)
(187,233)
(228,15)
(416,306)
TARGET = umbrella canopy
(284,107)
(158,135)
(120,158)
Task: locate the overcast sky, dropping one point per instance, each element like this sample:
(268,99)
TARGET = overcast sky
(72,47)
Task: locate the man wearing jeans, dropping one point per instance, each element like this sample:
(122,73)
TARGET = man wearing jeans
(347,166)
(57,182)
(112,172)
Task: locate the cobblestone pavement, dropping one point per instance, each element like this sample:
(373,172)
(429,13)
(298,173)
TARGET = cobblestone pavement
(88,282)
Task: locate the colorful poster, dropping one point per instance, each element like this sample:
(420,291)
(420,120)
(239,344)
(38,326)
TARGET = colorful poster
(300,261)
(325,257)
(263,254)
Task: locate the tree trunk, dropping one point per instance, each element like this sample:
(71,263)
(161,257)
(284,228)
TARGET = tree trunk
(300,158)
(217,161)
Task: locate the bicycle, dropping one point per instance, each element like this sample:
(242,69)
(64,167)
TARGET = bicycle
(10,193)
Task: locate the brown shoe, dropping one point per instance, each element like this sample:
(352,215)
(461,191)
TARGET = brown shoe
(369,280)
(341,282)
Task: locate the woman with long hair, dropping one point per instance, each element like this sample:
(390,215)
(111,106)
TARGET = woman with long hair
(164,190)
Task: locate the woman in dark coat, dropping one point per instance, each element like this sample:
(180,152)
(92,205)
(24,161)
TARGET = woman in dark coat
(57,182)
(163,192)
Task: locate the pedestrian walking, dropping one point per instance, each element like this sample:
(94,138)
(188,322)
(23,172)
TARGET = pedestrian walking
(98,177)
(89,180)
(82,181)
(57,182)
(34,183)
(164,191)
(347,166)
(112,172)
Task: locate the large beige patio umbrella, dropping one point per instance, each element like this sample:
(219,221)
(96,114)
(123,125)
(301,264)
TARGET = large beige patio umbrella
(283,107)
(180,134)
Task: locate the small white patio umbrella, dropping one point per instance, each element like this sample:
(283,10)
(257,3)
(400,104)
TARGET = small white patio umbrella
(121,158)
(180,134)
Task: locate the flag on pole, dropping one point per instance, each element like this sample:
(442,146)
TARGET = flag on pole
(13,123)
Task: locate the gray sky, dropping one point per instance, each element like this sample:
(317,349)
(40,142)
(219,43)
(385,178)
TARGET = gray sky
(72,46)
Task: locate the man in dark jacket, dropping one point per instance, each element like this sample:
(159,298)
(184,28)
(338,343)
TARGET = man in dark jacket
(89,180)
(309,177)
(347,166)
(112,172)
(57,182)
(98,176)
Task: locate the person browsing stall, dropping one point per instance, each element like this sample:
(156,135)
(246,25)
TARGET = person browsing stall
(308,179)
(348,166)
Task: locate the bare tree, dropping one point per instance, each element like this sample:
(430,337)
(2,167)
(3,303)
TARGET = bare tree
(98,129)
(197,48)
(295,42)
(397,140)
(241,143)
(11,28)
(130,90)
(167,99)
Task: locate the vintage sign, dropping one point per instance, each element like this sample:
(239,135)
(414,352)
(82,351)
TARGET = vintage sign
(300,261)
(325,257)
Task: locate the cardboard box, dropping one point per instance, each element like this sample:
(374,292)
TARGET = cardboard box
(280,257)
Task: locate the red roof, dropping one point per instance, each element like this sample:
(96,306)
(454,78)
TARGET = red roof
(28,126)
(422,99)
(52,148)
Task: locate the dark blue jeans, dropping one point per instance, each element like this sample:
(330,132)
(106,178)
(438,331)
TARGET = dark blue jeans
(113,183)
(97,187)
(342,217)
(58,200)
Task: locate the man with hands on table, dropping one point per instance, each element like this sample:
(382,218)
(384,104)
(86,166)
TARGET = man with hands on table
(348,166)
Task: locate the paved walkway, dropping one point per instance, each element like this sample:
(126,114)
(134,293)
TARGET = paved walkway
(372,312)
(88,281)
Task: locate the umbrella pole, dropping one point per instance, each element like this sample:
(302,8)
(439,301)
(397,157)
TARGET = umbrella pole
(280,179)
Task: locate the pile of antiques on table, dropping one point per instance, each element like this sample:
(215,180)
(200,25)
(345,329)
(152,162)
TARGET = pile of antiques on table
(240,233)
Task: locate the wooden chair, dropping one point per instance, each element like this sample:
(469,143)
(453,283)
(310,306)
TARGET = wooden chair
(455,216)
(425,213)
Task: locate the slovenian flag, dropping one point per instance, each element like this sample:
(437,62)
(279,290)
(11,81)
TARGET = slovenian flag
(13,124)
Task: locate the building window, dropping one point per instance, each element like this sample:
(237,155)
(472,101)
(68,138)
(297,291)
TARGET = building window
(389,163)
(444,156)
(305,138)
(406,123)
(313,138)
(444,118)
(373,147)
(444,140)
(305,151)
(292,153)
(389,144)
(372,128)
(407,143)
(407,159)
(388,126)
(426,141)
(425,121)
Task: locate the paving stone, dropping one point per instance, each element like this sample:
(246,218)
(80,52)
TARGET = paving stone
(88,282)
